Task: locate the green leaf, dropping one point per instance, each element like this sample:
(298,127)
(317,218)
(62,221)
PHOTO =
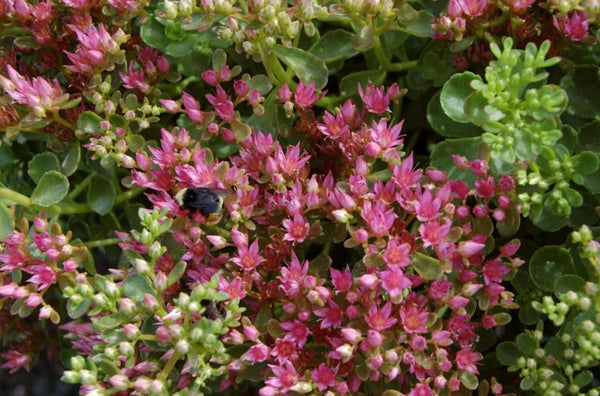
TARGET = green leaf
(181,48)
(446,126)
(71,161)
(585,162)
(365,39)
(527,344)
(589,137)
(78,310)
(454,95)
(89,122)
(176,273)
(333,45)
(428,267)
(508,353)
(469,380)
(546,218)
(422,27)
(135,286)
(6,223)
(511,224)
(569,282)
(582,86)
(307,66)
(528,315)
(240,130)
(153,33)
(583,379)
(349,83)
(42,163)
(478,110)
(547,264)
(320,264)
(101,194)
(50,190)
(261,83)
(441,157)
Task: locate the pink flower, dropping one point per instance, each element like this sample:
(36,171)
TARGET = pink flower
(331,316)
(248,257)
(94,49)
(284,350)
(285,377)
(296,332)
(306,96)
(134,79)
(575,26)
(292,277)
(43,275)
(414,319)
(466,360)
(380,319)
(374,98)
(394,282)
(341,280)
(470,8)
(396,254)
(334,126)
(378,218)
(426,206)
(485,188)
(15,360)
(37,94)
(493,271)
(222,104)
(258,353)
(297,230)
(324,377)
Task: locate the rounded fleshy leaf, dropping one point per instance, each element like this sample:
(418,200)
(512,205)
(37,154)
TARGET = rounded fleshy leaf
(42,163)
(307,66)
(101,194)
(454,95)
(549,263)
(50,190)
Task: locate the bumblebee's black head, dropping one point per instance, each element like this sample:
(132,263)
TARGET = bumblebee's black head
(203,200)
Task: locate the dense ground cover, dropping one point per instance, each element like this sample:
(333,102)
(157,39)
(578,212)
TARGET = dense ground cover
(329,198)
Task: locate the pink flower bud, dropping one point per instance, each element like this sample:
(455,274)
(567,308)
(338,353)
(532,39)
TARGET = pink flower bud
(170,105)
(150,302)
(352,335)
(304,315)
(210,77)
(374,338)
(251,333)
(241,88)
(369,281)
(131,331)
(284,94)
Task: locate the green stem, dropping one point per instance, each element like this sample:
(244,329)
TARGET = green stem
(80,187)
(383,60)
(14,196)
(102,242)
(412,141)
(278,71)
(403,66)
(56,117)
(330,101)
(170,364)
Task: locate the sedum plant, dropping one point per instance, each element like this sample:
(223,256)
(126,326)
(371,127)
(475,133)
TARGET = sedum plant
(404,195)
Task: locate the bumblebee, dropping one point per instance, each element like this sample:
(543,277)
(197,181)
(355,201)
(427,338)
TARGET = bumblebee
(203,200)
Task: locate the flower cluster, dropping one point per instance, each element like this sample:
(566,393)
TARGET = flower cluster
(395,306)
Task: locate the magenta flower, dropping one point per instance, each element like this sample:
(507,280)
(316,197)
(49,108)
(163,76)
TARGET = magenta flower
(414,319)
(466,360)
(37,94)
(296,332)
(575,25)
(379,319)
(248,257)
(394,282)
(292,277)
(334,126)
(297,229)
(258,353)
(396,253)
(43,275)
(222,104)
(374,98)
(324,377)
(15,360)
(134,79)
(378,218)
(284,350)
(305,95)
(285,377)
(96,45)
(331,315)
(341,280)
